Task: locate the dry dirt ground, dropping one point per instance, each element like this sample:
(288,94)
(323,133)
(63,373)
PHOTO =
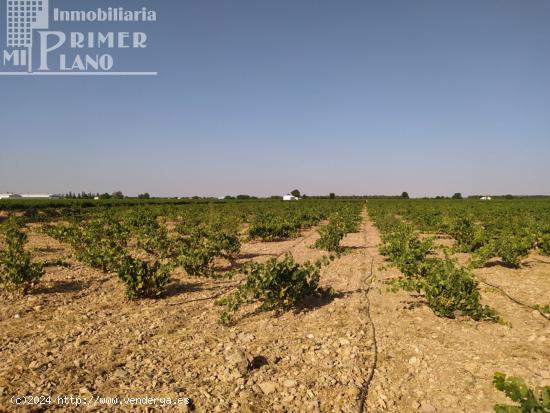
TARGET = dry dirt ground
(432,364)
(76,334)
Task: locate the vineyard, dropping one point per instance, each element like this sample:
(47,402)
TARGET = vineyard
(265,305)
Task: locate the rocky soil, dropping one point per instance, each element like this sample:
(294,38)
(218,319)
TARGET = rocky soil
(431,364)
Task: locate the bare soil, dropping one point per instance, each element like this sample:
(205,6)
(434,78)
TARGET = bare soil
(432,364)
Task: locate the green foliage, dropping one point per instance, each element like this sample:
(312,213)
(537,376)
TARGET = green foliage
(542,308)
(277,285)
(468,235)
(270,227)
(101,243)
(405,250)
(510,247)
(341,223)
(528,400)
(203,245)
(450,289)
(331,235)
(543,240)
(507,229)
(141,278)
(457,195)
(110,234)
(97,243)
(17,272)
(150,236)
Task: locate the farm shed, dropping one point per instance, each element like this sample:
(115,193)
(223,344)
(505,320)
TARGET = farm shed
(39,196)
(9,195)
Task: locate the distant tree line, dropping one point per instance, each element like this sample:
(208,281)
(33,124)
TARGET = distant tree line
(295,192)
(105,195)
(82,195)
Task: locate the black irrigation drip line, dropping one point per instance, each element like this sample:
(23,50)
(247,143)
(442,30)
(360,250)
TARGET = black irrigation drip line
(365,391)
(513,299)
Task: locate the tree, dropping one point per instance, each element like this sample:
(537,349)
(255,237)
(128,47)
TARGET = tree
(332,195)
(405,195)
(457,195)
(144,196)
(105,196)
(118,195)
(295,193)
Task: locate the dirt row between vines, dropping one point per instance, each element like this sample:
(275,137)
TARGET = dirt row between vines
(431,364)
(77,335)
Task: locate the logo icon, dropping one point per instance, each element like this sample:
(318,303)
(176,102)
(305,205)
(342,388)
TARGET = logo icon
(67,52)
(23,16)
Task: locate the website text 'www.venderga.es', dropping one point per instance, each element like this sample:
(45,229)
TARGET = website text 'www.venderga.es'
(71,400)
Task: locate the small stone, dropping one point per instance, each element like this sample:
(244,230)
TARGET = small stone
(16,316)
(413,361)
(245,395)
(343,341)
(34,364)
(267,387)
(427,408)
(84,390)
(353,391)
(184,408)
(415,405)
(238,361)
(290,383)
(245,338)
(310,336)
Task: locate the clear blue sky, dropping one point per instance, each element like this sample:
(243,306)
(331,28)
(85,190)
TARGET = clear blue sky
(260,97)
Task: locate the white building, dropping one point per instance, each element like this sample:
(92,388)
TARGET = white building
(39,196)
(485,198)
(289,197)
(9,195)
(28,196)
